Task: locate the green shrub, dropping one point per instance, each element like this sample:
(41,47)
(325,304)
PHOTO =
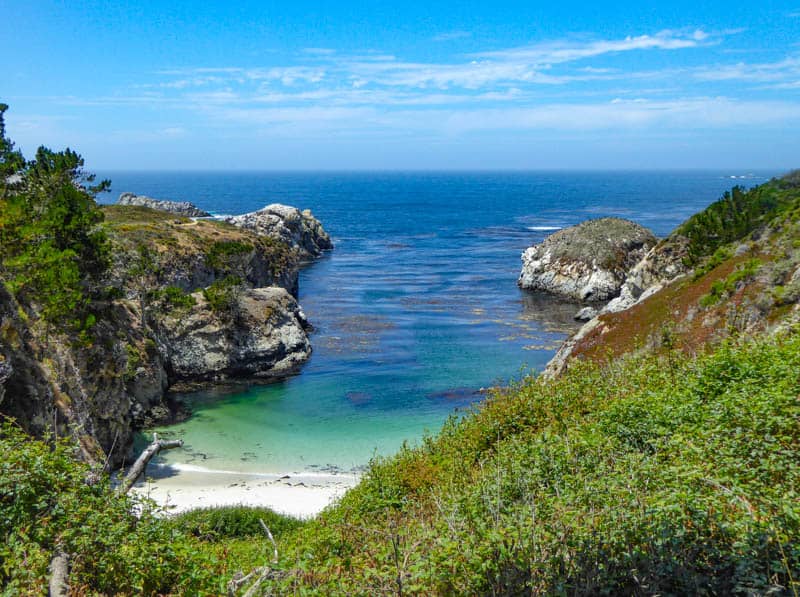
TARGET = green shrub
(221,252)
(722,288)
(222,294)
(648,476)
(173,298)
(233,522)
(46,504)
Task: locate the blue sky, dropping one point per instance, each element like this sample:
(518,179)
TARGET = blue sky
(415,85)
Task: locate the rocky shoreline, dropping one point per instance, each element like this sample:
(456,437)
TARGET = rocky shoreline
(192,301)
(608,265)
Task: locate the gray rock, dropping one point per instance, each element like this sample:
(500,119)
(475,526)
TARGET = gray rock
(181,208)
(264,336)
(587,262)
(586,314)
(299,229)
(662,264)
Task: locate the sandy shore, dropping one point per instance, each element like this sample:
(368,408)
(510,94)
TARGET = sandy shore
(297,494)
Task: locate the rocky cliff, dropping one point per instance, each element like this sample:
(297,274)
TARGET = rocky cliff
(587,262)
(181,208)
(296,228)
(189,301)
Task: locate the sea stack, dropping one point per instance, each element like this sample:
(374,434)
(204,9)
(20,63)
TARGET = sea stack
(588,262)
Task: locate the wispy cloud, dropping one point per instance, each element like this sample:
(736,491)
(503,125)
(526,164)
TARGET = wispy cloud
(568,51)
(779,71)
(452,35)
(531,64)
(571,84)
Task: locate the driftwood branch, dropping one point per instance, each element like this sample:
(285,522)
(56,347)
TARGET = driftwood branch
(271,539)
(59,574)
(261,573)
(141,463)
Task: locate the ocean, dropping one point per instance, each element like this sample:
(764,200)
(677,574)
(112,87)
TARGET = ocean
(415,310)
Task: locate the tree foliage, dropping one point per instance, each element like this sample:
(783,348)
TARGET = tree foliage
(53,251)
(735,215)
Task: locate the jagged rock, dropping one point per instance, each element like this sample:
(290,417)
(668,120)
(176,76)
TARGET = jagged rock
(587,262)
(558,363)
(586,314)
(181,208)
(299,229)
(262,336)
(662,264)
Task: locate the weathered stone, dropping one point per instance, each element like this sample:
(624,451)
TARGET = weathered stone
(586,314)
(299,229)
(262,335)
(587,262)
(181,208)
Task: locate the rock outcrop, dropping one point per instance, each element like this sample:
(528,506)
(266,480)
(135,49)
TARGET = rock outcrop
(181,208)
(299,229)
(660,265)
(588,262)
(262,336)
(161,328)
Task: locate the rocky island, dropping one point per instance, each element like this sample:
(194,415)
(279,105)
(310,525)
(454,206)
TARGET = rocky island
(181,208)
(588,262)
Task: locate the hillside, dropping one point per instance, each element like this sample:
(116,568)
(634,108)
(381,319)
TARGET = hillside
(739,266)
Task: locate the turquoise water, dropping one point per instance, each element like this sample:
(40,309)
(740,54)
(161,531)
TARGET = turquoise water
(417,307)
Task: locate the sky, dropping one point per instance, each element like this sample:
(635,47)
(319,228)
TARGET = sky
(260,85)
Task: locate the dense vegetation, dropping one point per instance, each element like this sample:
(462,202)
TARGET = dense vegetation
(736,214)
(52,248)
(46,505)
(665,475)
(649,476)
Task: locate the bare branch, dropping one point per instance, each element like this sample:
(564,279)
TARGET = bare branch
(144,458)
(272,540)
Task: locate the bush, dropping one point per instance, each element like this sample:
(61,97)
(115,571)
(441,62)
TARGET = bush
(222,252)
(46,504)
(233,522)
(174,298)
(223,293)
(648,476)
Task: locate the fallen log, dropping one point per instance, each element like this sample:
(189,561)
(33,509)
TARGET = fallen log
(141,463)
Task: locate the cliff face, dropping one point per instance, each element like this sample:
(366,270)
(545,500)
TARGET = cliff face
(194,301)
(267,338)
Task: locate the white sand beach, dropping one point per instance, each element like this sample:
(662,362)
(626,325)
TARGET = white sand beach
(302,495)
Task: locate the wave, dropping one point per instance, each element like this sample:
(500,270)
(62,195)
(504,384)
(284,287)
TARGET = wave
(193,468)
(544,228)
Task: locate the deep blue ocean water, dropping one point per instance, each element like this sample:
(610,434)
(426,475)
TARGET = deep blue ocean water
(415,309)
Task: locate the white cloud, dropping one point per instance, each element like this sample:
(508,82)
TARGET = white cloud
(568,51)
(759,72)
